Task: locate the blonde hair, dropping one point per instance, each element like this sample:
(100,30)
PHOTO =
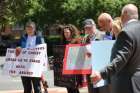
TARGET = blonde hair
(117,24)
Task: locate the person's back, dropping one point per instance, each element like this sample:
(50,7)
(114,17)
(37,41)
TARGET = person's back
(124,67)
(133,31)
(130,73)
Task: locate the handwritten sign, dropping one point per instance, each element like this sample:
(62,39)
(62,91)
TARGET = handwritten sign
(31,61)
(76,61)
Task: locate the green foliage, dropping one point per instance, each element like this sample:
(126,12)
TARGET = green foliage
(82,9)
(16,10)
(59,11)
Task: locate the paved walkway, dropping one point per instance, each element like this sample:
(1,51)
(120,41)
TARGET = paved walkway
(13,84)
(50,90)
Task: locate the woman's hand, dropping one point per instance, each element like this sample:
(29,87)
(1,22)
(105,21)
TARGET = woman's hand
(18,51)
(88,54)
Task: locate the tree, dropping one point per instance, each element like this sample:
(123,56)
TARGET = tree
(75,11)
(78,10)
(59,11)
(17,10)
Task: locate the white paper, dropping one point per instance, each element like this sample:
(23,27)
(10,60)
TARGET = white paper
(28,63)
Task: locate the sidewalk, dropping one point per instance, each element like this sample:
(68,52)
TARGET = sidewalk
(14,85)
(50,90)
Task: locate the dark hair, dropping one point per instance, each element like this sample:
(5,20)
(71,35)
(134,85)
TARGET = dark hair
(73,30)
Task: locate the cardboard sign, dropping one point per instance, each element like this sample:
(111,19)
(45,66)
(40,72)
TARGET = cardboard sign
(75,60)
(31,61)
(101,51)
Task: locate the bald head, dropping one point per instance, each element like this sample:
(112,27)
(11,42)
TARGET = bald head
(105,21)
(129,11)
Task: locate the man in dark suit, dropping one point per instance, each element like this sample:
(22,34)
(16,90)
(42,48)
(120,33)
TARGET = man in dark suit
(124,68)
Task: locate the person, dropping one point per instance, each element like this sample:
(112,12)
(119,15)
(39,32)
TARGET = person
(6,39)
(72,36)
(93,34)
(116,26)
(105,24)
(29,40)
(44,83)
(124,67)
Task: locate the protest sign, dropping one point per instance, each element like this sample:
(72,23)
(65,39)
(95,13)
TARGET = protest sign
(75,60)
(101,52)
(30,62)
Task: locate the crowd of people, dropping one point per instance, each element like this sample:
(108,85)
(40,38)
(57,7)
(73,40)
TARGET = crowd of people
(123,71)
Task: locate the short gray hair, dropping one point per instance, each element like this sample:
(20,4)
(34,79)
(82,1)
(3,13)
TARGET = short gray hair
(31,24)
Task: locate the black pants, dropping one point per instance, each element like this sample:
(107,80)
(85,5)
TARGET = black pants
(90,84)
(73,90)
(104,89)
(28,82)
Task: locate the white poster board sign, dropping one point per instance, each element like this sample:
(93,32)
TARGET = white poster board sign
(76,61)
(31,61)
(101,51)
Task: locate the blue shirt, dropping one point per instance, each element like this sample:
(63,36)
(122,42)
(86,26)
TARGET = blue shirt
(31,42)
(23,41)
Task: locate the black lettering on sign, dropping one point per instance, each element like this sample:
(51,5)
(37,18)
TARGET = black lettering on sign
(24,52)
(20,66)
(34,61)
(10,59)
(26,73)
(41,48)
(12,71)
(25,60)
(11,51)
(7,59)
(34,53)
(37,48)
(19,60)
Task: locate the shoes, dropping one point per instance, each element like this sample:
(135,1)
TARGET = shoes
(45,85)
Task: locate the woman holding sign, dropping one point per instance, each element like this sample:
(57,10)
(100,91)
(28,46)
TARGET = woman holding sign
(71,82)
(29,40)
(71,35)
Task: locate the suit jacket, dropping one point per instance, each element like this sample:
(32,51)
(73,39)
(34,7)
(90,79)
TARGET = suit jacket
(97,36)
(124,69)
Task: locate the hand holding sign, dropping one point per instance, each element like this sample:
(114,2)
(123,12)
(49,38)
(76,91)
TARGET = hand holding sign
(77,59)
(27,62)
(88,55)
(95,77)
(18,51)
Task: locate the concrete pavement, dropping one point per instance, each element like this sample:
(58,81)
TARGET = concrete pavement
(50,90)
(13,84)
